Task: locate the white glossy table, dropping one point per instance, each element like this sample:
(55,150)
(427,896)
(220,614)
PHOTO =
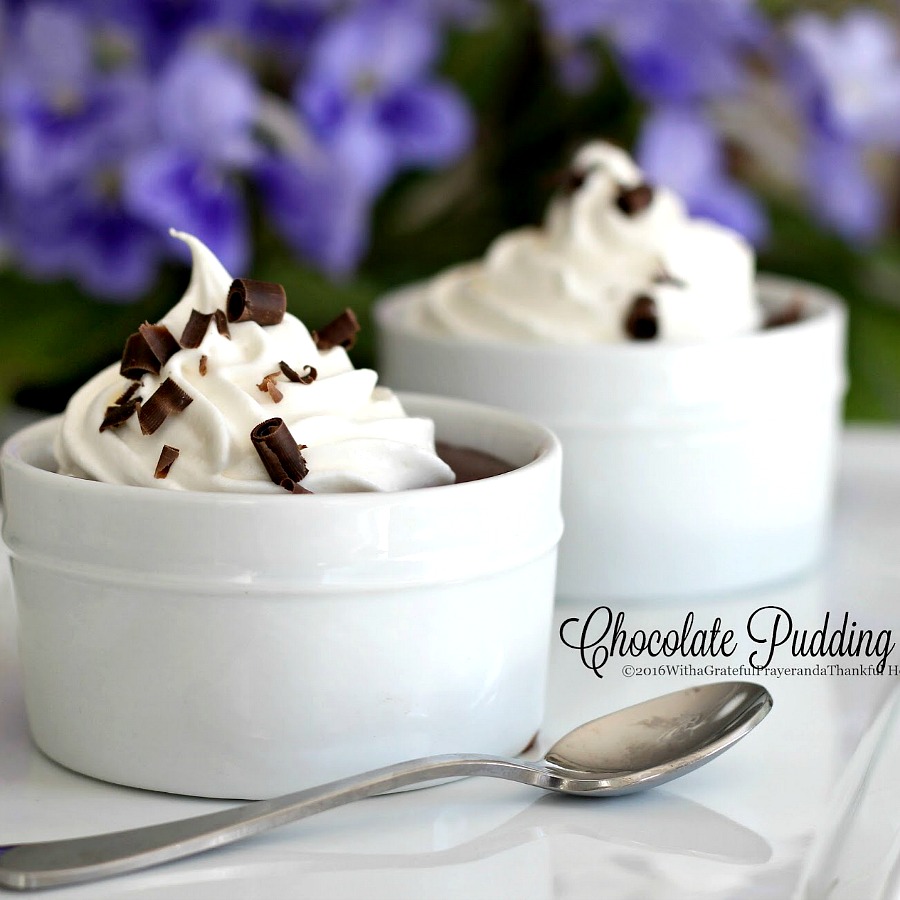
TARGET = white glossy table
(739,828)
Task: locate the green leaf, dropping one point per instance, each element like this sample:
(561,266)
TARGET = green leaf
(53,335)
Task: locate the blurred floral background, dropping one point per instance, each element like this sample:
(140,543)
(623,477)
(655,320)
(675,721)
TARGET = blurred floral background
(343,147)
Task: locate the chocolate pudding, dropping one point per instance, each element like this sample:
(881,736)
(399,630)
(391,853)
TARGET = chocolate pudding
(469,464)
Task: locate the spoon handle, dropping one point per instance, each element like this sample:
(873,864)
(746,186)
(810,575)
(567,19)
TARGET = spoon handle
(52,863)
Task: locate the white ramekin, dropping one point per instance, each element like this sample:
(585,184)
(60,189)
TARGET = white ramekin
(688,469)
(243,646)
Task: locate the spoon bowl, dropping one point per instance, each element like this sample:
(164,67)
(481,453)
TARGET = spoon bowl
(620,753)
(655,741)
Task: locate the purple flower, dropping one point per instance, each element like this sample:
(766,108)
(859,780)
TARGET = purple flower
(38,230)
(112,254)
(206,111)
(159,27)
(371,101)
(851,82)
(53,47)
(207,106)
(672,51)
(845,76)
(840,189)
(320,213)
(166,187)
(83,232)
(289,25)
(679,149)
(67,125)
(63,119)
(428,124)
(573,19)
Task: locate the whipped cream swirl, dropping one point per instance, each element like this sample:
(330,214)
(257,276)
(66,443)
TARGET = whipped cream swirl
(600,270)
(357,435)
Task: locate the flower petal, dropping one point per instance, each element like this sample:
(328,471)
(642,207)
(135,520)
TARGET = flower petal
(318,211)
(115,256)
(376,46)
(207,104)
(169,189)
(841,191)
(428,124)
(680,149)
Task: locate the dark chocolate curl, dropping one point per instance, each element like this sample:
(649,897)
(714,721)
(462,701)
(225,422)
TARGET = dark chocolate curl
(147,350)
(118,414)
(340,332)
(123,409)
(195,330)
(288,372)
(634,200)
(160,340)
(222,323)
(167,456)
(642,322)
(293,487)
(308,377)
(167,399)
(138,358)
(130,391)
(263,302)
(267,385)
(279,453)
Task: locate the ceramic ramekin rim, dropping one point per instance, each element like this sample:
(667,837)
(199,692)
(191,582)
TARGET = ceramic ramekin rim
(39,434)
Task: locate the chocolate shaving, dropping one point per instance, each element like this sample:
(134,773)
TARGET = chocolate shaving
(288,372)
(790,314)
(293,487)
(195,330)
(147,350)
(222,323)
(167,399)
(118,414)
(123,409)
(280,454)
(167,456)
(130,391)
(341,332)
(263,302)
(308,377)
(267,385)
(160,340)
(642,323)
(634,200)
(203,361)
(138,358)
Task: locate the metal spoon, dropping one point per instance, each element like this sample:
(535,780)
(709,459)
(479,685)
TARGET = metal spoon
(629,750)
